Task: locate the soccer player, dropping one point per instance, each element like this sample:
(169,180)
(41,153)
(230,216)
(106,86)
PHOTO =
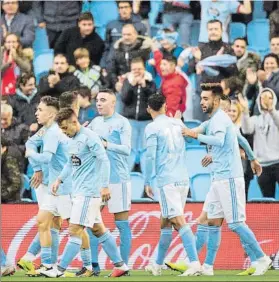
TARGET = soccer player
(89,166)
(53,209)
(115,132)
(226,197)
(166,159)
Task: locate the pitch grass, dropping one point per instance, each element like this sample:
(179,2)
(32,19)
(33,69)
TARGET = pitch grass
(220,275)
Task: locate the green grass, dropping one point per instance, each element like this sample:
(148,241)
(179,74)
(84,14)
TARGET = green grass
(220,275)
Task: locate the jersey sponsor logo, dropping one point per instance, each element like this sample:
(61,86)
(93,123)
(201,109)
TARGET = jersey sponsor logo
(41,132)
(76,161)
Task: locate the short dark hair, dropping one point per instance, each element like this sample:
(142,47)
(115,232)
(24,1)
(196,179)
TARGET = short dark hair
(215,89)
(86,16)
(234,83)
(242,39)
(106,90)
(62,56)
(271,55)
(156,101)
(215,21)
(170,58)
(67,99)
(84,92)
(137,60)
(24,77)
(123,1)
(50,102)
(64,114)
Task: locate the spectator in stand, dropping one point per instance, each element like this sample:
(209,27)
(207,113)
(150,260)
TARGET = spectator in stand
(60,79)
(220,10)
(274,45)
(270,6)
(143,9)
(17,133)
(25,101)
(81,36)
(130,46)
(114,28)
(87,73)
(174,83)
(177,13)
(265,129)
(274,23)
(232,87)
(56,16)
(12,21)
(10,172)
(245,59)
(167,40)
(137,88)
(14,62)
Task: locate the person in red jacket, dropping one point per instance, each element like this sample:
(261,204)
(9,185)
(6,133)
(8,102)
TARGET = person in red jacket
(174,82)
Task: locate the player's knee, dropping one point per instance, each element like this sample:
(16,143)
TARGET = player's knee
(75,230)
(178,222)
(57,222)
(43,222)
(235,226)
(98,230)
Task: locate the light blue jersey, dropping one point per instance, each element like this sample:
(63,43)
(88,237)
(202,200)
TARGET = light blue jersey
(54,155)
(88,164)
(116,130)
(166,154)
(222,142)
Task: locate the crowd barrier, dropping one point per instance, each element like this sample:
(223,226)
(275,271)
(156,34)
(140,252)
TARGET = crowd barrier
(19,228)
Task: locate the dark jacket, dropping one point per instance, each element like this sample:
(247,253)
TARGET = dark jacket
(273,83)
(17,134)
(114,32)
(23,26)
(67,82)
(71,39)
(10,175)
(122,55)
(58,15)
(24,109)
(210,49)
(135,98)
(274,23)
(176,6)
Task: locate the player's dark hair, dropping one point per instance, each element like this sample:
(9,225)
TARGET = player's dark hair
(50,102)
(170,59)
(156,101)
(67,99)
(215,21)
(64,114)
(84,92)
(106,90)
(86,16)
(123,1)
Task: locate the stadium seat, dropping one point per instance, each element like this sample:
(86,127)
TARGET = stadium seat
(258,12)
(192,123)
(259,51)
(41,40)
(277,192)
(262,199)
(43,63)
(156,8)
(101,31)
(137,181)
(258,34)
(200,184)
(195,154)
(254,191)
(195,33)
(237,30)
(142,200)
(25,186)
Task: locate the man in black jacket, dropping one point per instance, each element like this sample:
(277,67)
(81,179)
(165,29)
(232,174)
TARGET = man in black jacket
(59,80)
(82,36)
(137,88)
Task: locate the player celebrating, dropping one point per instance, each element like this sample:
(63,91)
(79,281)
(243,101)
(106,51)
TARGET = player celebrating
(226,197)
(89,166)
(166,159)
(115,132)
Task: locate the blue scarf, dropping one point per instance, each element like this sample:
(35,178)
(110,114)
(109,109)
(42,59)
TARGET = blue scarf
(28,99)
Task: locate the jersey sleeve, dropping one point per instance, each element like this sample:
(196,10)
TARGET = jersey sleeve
(51,141)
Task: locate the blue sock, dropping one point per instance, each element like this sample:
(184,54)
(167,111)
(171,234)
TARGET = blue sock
(214,240)
(54,245)
(86,258)
(35,246)
(109,246)
(247,236)
(201,236)
(164,243)
(3,258)
(188,240)
(94,243)
(71,250)
(46,256)
(125,239)
(248,251)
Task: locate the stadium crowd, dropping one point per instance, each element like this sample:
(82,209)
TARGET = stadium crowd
(136,58)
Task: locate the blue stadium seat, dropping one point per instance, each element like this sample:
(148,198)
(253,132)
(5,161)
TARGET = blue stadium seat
(156,8)
(237,30)
(194,156)
(137,181)
(262,199)
(254,191)
(277,192)
(101,31)
(195,33)
(43,63)
(192,123)
(258,34)
(25,186)
(258,12)
(41,40)
(142,200)
(200,184)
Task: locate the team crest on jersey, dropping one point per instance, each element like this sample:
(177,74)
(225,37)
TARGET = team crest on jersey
(79,146)
(41,132)
(76,161)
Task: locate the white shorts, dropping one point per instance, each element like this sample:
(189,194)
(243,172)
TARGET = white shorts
(226,199)
(86,211)
(41,193)
(58,205)
(120,200)
(172,199)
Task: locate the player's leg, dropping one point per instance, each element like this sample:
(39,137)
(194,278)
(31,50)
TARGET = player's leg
(6,268)
(55,229)
(94,245)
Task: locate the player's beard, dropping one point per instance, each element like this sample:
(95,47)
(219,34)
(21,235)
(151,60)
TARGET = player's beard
(208,109)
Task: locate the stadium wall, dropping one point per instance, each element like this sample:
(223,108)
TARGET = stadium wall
(19,228)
